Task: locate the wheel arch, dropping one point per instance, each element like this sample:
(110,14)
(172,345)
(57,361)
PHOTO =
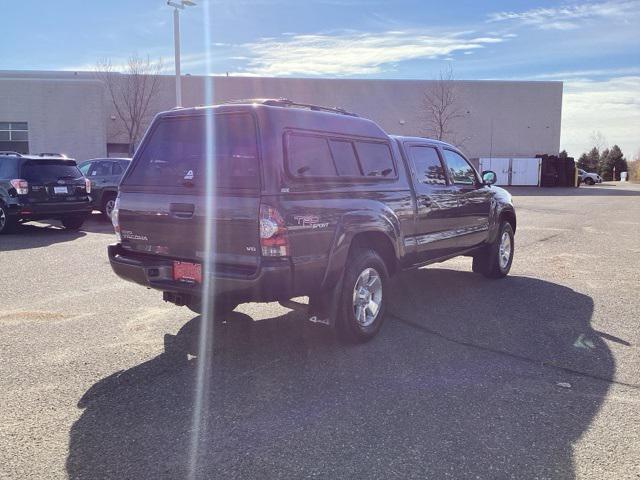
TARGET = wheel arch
(510,216)
(367,230)
(381,244)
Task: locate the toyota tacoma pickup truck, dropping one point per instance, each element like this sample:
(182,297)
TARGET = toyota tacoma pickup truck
(267,200)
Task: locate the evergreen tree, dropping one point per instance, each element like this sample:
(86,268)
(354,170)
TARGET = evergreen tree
(614,159)
(590,161)
(602,162)
(582,161)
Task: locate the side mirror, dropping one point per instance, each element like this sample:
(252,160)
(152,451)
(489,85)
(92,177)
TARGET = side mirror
(489,177)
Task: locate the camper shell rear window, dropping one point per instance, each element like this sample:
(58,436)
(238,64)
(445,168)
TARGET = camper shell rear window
(175,153)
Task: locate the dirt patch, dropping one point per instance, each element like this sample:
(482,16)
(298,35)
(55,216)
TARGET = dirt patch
(31,315)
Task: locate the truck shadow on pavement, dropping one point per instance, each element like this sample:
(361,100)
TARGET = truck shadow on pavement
(461,382)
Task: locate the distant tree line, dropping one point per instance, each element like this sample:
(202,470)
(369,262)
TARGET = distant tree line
(604,162)
(634,168)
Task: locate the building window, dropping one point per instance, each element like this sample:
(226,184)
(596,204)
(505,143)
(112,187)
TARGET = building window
(14,137)
(118,150)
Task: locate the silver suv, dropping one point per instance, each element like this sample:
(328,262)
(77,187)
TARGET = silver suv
(588,178)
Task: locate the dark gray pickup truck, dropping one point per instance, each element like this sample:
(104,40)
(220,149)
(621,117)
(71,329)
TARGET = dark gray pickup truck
(267,200)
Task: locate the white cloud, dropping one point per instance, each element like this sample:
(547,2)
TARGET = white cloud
(586,75)
(353,53)
(609,106)
(570,17)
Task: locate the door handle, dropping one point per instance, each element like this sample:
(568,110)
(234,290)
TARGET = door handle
(182,210)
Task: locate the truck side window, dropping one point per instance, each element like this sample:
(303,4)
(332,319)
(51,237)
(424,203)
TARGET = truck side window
(100,169)
(309,156)
(460,171)
(429,169)
(375,159)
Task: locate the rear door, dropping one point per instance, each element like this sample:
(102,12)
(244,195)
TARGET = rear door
(118,169)
(192,177)
(474,201)
(53,180)
(100,176)
(436,202)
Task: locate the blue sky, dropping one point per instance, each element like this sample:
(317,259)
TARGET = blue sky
(594,47)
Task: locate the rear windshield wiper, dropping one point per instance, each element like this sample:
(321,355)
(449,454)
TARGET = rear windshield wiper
(377,173)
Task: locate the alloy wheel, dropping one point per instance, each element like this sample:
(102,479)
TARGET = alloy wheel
(108,207)
(367,297)
(504,251)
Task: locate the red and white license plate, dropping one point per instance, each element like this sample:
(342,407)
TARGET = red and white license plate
(187,272)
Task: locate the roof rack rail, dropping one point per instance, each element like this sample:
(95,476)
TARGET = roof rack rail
(285,102)
(9,153)
(51,154)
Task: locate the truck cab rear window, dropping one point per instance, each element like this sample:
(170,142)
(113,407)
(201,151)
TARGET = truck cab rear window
(176,152)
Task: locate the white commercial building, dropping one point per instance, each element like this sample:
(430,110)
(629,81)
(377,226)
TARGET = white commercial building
(71,112)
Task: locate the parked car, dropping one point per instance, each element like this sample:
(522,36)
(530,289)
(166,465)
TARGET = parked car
(301,200)
(588,178)
(36,187)
(105,175)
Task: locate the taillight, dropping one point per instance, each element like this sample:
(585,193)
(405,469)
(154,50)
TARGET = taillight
(273,233)
(87,185)
(115,219)
(21,186)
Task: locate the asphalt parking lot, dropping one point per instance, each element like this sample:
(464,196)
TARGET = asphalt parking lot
(533,376)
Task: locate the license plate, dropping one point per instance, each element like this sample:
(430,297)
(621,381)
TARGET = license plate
(187,272)
(60,190)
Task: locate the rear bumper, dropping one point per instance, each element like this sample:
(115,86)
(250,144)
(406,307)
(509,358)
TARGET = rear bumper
(272,282)
(49,210)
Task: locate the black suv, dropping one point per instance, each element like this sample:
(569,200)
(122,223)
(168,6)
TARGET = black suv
(299,200)
(105,175)
(36,187)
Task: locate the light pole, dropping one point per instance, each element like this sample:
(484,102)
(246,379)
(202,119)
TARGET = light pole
(177,6)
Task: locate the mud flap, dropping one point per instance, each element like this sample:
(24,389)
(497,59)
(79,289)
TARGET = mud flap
(324,305)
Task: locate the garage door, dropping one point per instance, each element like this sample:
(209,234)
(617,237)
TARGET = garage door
(525,171)
(498,165)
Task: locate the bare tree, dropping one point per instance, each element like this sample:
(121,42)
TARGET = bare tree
(598,140)
(443,109)
(132,94)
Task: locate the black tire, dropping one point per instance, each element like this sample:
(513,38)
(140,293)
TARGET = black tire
(73,222)
(487,261)
(7,222)
(589,181)
(348,327)
(108,202)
